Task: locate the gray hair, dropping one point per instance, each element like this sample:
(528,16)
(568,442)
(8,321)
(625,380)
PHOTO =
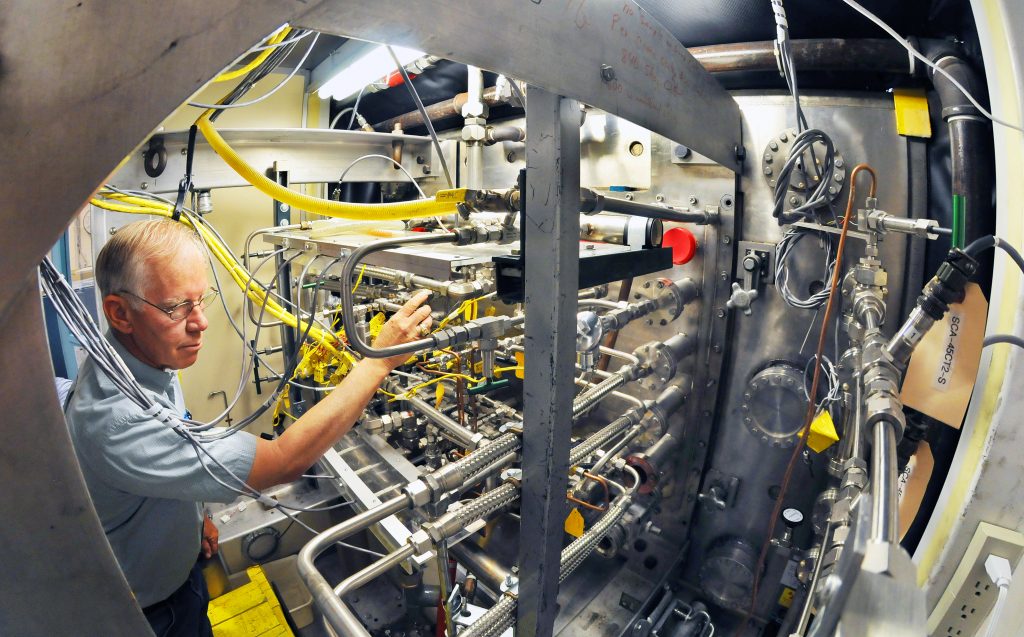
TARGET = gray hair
(121,264)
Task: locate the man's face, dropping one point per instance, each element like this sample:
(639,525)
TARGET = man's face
(153,337)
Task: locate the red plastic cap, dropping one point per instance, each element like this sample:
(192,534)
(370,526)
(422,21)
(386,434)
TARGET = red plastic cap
(683,244)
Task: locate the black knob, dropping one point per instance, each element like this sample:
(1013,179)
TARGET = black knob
(792,518)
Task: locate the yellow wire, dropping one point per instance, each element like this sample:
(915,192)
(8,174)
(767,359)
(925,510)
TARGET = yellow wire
(256,61)
(359,279)
(238,273)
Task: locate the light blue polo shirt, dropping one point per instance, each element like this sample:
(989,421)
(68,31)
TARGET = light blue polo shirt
(146,482)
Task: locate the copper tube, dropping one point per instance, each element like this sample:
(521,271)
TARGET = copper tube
(811,403)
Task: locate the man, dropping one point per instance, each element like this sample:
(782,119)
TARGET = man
(146,481)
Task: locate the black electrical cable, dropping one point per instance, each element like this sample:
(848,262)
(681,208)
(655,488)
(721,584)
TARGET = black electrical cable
(984,243)
(1009,339)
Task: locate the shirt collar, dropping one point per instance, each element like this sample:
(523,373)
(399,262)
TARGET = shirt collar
(153,379)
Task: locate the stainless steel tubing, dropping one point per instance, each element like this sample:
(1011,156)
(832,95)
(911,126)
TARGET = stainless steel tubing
(884,500)
(615,353)
(447,478)
(603,303)
(650,211)
(375,570)
(476,464)
(500,616)
(486,569)
(334,610)
(348,315)
(588,399)
(603,435)
(460,435)
(627,438)
(636,402)
(808,607)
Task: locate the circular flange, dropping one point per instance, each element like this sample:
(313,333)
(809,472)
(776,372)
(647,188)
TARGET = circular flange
(654,290)
(804,179)
(774,404)
(727,574)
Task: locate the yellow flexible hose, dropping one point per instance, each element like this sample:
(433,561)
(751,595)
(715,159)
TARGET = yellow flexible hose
(443,203)
(256,61)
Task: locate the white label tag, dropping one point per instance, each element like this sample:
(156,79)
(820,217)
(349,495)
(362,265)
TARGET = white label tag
(947,362)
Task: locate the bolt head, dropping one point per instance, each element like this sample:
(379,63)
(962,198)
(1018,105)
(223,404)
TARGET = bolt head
(768,170)
(693,200)
(773,145)
(607,73)
(720,313)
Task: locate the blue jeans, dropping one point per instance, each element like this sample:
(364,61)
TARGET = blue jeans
(183,614)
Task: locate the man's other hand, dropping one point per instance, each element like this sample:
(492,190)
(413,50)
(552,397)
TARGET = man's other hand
(210,538)
(411,322)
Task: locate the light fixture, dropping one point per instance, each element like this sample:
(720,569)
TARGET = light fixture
(369,68)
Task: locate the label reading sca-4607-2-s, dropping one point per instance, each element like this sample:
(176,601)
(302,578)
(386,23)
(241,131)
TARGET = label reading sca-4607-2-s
(946,362)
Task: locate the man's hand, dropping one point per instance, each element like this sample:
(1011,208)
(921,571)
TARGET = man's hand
(411,322)
(210,537)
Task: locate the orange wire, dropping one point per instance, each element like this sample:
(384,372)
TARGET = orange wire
(811,404)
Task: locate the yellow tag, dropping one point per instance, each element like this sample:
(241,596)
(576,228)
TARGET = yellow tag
(786,599)
(911,112)
(455,195)
(520,357)
(478,368)
(574,523)
(438,395)
(823,432)
(376,323)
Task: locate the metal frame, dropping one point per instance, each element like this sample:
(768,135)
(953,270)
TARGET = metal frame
(551,243)
(174,51)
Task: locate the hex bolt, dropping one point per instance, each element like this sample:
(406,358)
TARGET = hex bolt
(773,145)
(832,190)
(839,177)
(839,162)
(783,138)
(768,159)
(767,170)
(792,200)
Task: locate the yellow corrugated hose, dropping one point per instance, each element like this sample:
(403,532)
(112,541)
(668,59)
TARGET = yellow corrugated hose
(443,203)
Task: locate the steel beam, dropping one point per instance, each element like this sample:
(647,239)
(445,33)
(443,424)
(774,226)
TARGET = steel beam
(610,54)
(551,224)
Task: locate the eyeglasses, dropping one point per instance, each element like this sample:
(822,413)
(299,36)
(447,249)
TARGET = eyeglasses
(180,311)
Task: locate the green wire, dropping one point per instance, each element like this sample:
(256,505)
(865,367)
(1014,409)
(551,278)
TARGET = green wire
(959,221)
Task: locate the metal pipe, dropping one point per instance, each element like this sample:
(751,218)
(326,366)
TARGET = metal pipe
(378,568)
(867,55)
(335,611)
(452,430)
(602,303)
(438,111)
(348,315)
(884,484)
(627,438)
(808,607)
(650,211)
(636,402)
(486,569)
